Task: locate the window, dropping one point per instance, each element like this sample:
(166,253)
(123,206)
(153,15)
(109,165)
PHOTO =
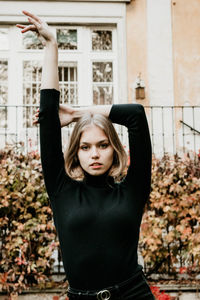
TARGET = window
(102,82)
(68,82)
(3,92)
(67,39)
(32,72)
(102,70)
(87,60)
(102,40)
(31,41)
(77,46)
(4,47)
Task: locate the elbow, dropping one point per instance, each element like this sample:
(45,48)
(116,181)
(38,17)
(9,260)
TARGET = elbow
(140,109)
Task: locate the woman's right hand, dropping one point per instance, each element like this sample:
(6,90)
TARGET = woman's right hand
(39,26)
(66,115)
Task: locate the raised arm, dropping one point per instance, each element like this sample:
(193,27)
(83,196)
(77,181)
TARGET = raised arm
(50,129)
(133,117)
(69,114)
(50,63)
(139,173)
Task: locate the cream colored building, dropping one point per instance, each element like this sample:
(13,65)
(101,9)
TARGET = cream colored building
(163,45)
(109,52)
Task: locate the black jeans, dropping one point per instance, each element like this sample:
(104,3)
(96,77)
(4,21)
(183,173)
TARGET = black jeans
(135,288)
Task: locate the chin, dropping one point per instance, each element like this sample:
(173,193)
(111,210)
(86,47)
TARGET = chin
(96,173)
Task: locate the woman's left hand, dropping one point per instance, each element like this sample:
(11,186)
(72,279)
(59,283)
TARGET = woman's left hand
(39,26)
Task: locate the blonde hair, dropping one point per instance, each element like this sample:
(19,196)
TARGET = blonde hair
(72,165)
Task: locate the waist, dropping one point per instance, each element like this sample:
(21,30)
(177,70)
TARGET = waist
(107,292)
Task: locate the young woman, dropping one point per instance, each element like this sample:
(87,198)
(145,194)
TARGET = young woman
(97,217)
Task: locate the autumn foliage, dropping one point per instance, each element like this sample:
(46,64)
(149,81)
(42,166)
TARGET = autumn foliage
(160,295)
(170,232)
(27,234)
(170,235)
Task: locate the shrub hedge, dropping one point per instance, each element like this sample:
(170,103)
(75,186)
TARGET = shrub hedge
(27,233)
(170,232)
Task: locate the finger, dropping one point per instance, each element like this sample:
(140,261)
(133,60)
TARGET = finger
(34,22)
(36,18)
(30,27)
(20,26)
(35,122)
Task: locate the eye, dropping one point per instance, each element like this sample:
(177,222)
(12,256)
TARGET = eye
(104,146)
(84,147)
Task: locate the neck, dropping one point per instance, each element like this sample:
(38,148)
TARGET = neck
(103,180)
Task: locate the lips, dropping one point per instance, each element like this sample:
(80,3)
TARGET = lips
(95,164)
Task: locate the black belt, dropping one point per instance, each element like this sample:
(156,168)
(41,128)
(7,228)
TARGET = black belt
(106,293)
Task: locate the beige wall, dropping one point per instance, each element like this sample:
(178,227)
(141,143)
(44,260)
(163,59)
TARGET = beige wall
(136,46)
(186,51)
(163,44)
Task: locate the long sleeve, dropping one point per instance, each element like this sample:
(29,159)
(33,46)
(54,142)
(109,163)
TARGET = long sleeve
(50,141)
(139,172)
(98,225)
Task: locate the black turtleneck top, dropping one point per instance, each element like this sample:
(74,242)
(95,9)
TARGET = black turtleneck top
(97,220)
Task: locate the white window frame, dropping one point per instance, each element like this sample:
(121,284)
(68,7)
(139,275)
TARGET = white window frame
(85,17)
(81,13)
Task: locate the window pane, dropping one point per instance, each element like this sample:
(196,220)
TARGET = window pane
(4,42)
(68,82)
(3,92)
(102,82)
(102,72)
(67,39)
(102,40)
(31,41)
(102,94)
(32,71)
(3,71)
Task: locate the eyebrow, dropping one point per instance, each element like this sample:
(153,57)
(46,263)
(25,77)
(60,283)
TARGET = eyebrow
(100,142)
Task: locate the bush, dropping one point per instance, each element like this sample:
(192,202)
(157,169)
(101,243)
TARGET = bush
(160,295)
(27,233)
(170,231)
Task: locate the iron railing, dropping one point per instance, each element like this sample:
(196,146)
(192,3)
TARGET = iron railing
(173,129)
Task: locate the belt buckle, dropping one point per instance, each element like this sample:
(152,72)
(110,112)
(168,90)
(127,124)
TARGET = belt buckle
(103,295)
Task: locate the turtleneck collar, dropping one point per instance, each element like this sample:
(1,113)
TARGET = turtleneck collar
(99,181)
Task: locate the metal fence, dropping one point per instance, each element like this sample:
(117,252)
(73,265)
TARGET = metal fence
(173,129)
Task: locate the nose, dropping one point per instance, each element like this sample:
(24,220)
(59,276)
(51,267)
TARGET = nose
(94,152)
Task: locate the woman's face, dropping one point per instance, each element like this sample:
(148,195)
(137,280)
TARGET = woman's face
(95,152)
